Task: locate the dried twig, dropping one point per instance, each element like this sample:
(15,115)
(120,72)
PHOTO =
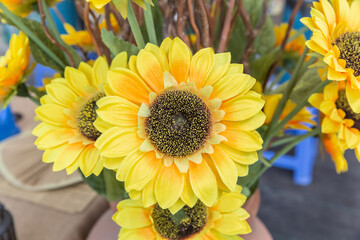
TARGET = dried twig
(250,32)
(283,43)
(225,33)
(193,24)
(124,25)
(52,39)
(108,18)
(180,23)
(90,30)
(202,19)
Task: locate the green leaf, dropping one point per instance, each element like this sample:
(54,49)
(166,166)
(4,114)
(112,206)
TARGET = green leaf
(265,39)
(107,185)
(305,84)
(254,169)
(43,50)
(117,45)
(260,67)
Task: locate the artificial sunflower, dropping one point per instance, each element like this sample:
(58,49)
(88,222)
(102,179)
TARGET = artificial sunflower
(339,118)
(67,113)
(336,37)
(302,120)
(24,7)
(223,221)
(13,66)
(184,126)
(296,46)
(123,4)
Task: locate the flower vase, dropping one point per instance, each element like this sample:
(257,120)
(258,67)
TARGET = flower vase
(259,230)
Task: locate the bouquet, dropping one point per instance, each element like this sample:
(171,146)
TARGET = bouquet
(173,114)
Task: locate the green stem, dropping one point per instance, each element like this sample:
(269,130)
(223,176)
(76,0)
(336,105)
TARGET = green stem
(27,31)
(134,25)
(291,84)
(149,21)
(297,109)
(276,80)
(282,152)
(282,141)
(50,22)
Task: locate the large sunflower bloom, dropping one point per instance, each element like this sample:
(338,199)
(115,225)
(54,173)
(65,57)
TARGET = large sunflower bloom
(338,117)
(67,113)
(184,126)
(336,36)
(123,4)
(24,7)
(302,120)
(223,221)
(13,66)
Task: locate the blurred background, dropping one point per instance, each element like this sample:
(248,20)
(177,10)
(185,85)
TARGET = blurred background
(302,198)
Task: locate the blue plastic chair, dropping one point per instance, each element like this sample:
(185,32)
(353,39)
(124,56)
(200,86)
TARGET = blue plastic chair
(7,124)
(302,162)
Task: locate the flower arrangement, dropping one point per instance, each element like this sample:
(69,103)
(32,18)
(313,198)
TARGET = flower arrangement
(173,116)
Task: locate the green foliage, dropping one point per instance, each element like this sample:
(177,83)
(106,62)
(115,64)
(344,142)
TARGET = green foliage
(254,169)
(305,84)
(42,49)
(265,39)
(117,45)
(260,67)
(107,185)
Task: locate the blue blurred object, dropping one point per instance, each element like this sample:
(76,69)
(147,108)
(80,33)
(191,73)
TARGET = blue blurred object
(40,72)
(66,9)
(304,12)
(301,162)
(7,124)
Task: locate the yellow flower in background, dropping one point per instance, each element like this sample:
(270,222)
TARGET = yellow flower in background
(223,221)
(336,151)
(297,45)
(123,4)
(82,38)
(67,113)
(13,66)
(24,7)
(338,118)
(302,120)
(184,126)
(336,36)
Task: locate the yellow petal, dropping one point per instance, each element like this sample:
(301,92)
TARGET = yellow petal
(132,218)
(201,66)
(203,182)
(232,85)
(242,107)
(221,66)
(52,114)
(142,172)
(242,140)
(77,80)
(128,85)
(137,234)
(150,70)
(231,225)
(179,60)
(250,124)
(69,154)
(225,167)
(230,202)
(188,195)
(169,186)
(61,93)
(120,61)
(54,138)
(239,156)
(352,95)
(116,143)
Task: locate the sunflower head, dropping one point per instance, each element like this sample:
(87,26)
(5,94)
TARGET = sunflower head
(183,126)
(183,224)
(343,104)
(349,47)
(225,220)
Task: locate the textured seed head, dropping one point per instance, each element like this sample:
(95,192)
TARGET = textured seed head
(179,123)
(183,224)
(349,46)
(342,103)
(86,118)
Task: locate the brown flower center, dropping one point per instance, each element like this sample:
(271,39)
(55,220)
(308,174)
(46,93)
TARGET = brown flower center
(349,46)
(86,118)
(179,123)
(343,104)
(183,224)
